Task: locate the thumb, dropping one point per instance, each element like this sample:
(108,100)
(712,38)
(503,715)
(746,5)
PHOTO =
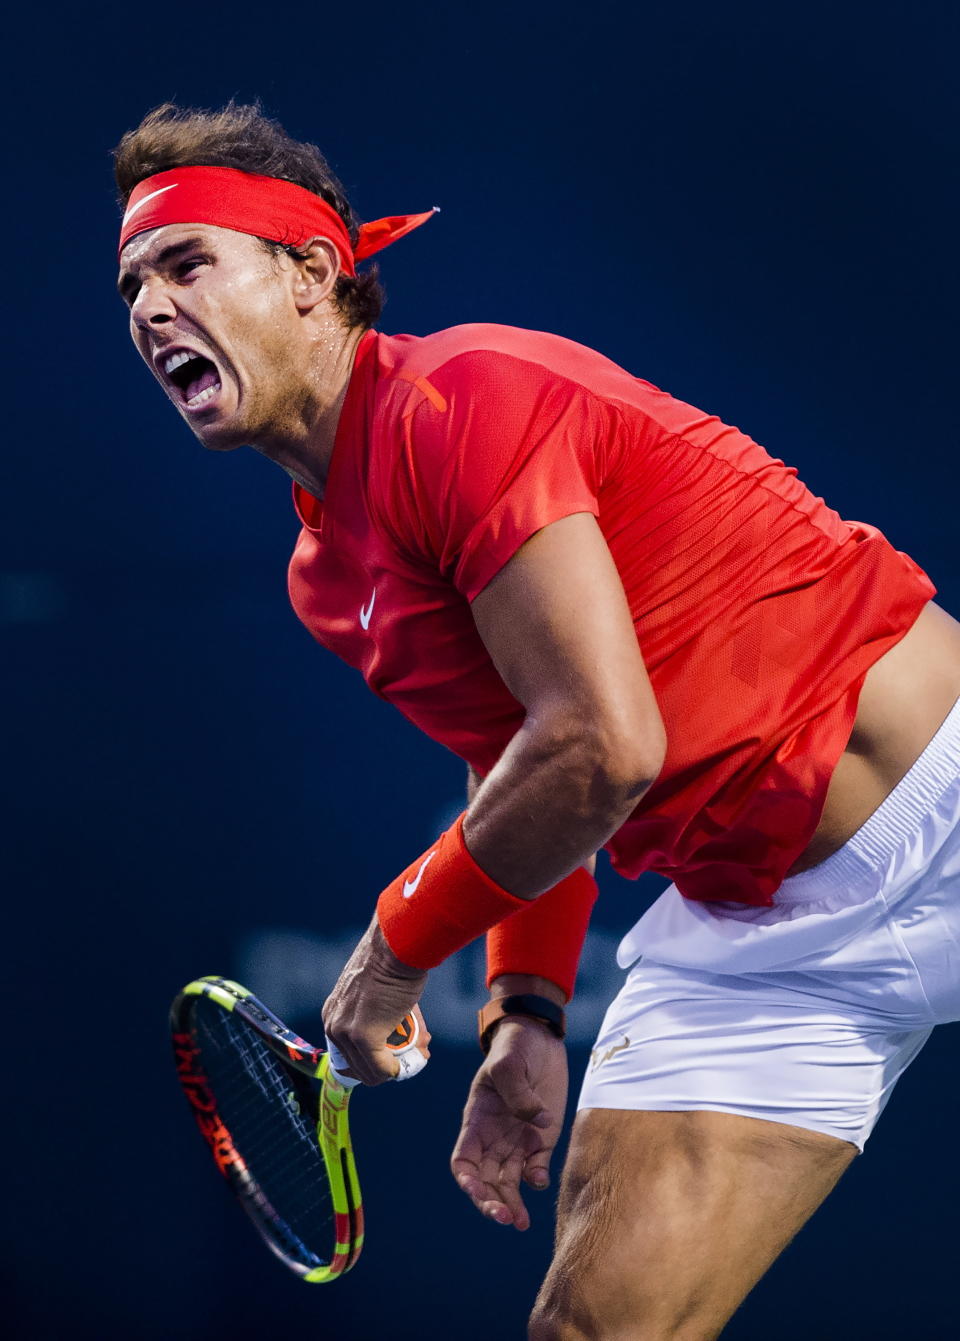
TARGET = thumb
(536,1170)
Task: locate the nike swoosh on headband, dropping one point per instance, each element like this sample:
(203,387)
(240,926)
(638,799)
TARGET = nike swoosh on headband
(266,207)
(140,203)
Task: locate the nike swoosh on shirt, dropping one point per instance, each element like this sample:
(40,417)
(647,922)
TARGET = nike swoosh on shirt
(366,611)
(140,203)
(410,886)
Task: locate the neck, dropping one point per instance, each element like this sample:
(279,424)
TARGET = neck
(304,449)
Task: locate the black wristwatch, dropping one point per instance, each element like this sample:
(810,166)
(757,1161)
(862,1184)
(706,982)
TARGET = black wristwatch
(534,1007)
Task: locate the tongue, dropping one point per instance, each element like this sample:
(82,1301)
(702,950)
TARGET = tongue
(207,378)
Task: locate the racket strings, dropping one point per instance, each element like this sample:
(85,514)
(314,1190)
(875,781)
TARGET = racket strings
(273,1131)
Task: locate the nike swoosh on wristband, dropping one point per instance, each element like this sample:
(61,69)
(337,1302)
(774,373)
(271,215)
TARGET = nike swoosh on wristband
(366,611)
(410,886)
(133,209)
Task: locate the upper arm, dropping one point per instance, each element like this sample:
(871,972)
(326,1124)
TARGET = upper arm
(556,623)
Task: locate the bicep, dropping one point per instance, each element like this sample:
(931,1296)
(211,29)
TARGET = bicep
(556,623)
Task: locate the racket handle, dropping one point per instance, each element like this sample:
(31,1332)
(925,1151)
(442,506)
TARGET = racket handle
(403,1043)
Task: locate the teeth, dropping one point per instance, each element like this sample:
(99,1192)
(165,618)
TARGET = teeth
(177,361)
(201,396)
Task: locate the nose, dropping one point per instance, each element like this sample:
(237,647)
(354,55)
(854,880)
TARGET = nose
(152,306)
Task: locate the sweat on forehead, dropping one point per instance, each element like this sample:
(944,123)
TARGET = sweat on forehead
(262,206)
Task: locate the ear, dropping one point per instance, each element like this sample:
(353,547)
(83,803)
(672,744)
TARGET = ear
(317,270)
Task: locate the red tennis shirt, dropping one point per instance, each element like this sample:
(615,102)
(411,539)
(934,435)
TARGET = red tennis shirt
(757,609)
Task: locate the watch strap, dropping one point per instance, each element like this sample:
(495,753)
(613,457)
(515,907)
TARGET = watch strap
(539,1008)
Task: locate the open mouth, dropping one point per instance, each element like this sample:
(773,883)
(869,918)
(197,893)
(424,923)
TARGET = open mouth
(194,376)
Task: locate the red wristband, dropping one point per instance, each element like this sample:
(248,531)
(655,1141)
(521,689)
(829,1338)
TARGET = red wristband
(546,937)
(441,903)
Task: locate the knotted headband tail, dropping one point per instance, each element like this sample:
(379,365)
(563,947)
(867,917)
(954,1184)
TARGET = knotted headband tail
(380,233)
(262,206)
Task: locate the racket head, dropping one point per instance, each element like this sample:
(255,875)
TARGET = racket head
(275,1119)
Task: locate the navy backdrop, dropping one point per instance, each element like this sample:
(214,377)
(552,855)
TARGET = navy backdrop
(749,205)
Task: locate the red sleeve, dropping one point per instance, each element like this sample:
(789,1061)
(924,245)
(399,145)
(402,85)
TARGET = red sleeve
(500,448)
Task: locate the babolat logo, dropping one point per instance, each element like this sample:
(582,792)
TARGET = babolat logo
(196,1087)
(195,1084)
(220,1142)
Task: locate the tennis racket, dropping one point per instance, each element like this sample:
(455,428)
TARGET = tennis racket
(273,1111)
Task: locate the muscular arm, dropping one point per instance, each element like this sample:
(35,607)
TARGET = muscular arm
(557,626)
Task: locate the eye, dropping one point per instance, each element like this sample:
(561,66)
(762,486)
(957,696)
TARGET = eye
(185,268)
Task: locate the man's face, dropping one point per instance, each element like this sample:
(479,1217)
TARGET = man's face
(213,316)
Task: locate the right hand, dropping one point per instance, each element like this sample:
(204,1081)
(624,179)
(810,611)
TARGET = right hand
(373,993)
(512,1120)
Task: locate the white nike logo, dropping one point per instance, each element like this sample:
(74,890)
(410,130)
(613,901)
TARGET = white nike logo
(410,886)
(140,203)
(366,611)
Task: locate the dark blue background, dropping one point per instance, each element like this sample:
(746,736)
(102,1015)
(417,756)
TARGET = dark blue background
(750,205)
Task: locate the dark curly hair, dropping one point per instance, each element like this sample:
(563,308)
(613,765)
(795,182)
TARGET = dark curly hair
(241,136)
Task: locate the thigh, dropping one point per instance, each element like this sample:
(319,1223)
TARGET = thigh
(666,1220)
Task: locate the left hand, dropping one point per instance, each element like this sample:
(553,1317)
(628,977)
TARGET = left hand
(372,995)
(512,1120)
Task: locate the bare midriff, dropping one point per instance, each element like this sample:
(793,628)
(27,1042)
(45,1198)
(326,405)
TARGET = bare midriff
(906,696)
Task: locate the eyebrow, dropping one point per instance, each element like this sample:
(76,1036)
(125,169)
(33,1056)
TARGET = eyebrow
(128,277)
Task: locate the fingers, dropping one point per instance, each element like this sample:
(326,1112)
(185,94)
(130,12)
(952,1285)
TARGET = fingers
(425,1038)
(496,1195)
(494,1187)
(479,1173)
(369,1057)
(366,1064)
(413,1056)
(490,1157)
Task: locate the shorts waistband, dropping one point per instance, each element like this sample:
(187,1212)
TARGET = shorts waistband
(894,820)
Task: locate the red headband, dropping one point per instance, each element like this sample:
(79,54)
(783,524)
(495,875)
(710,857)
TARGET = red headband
(263,206)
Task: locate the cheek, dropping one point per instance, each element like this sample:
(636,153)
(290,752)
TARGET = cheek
(259,320)
(270,339)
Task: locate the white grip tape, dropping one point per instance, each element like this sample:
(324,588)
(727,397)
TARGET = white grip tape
(339,1064)
(411,1063)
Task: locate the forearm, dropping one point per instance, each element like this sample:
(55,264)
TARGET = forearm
(475,782)
(529,941)
(556,795)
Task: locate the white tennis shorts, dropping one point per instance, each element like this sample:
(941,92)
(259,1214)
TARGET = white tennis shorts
(810,1011)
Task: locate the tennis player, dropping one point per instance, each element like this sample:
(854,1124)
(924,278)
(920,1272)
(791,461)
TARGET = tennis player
(640,632)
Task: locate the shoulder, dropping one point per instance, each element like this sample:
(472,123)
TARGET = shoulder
(485,390)
(466,357)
